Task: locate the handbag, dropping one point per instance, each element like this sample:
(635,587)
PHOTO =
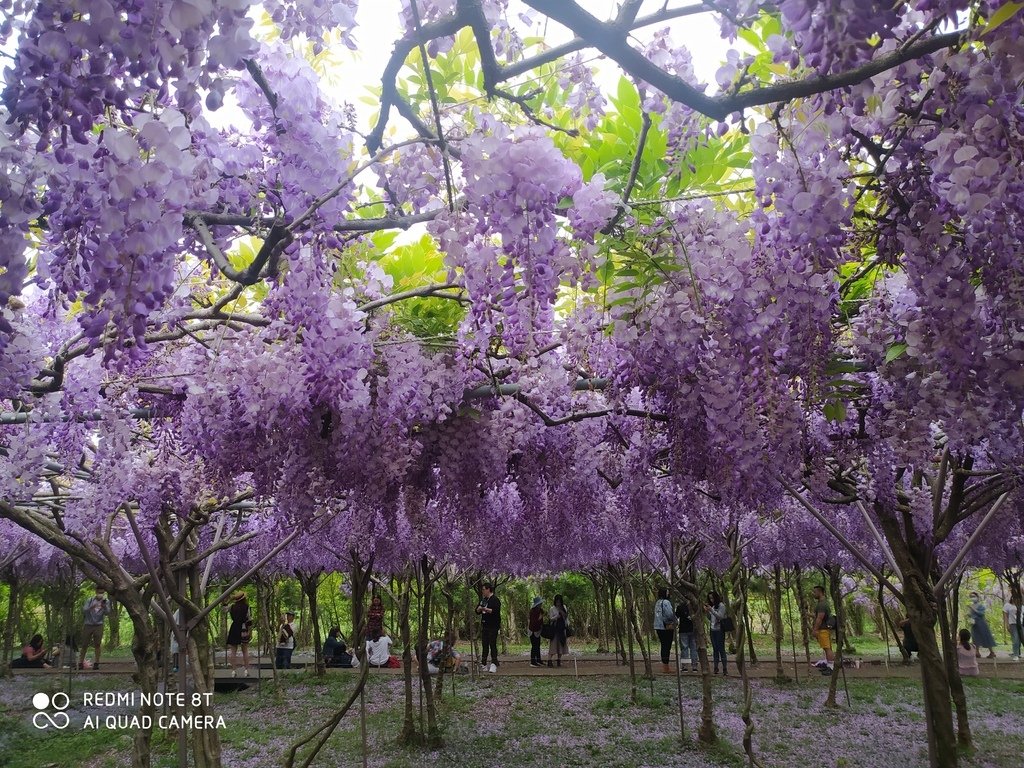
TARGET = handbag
(568,631)
(547,631)
(726,624)
(246,634)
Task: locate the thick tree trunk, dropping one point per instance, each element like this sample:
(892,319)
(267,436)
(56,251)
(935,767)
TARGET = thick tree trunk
(309,583)
(602,635)
(921,610)
(615,621)
(836,590)
(206,749)
(956,684)
(738,580)
(706,734)
(10,624)
(114,620)
(144,647)
(802,612)
(637,634)
(777,628)
(431,733)
(408,735)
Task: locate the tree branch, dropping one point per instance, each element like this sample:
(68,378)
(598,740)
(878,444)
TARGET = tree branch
(612,41)
(434,291)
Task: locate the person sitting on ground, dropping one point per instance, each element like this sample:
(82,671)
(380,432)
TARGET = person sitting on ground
(442,656)
(331,646)
(336,651)
(967,655)
(33,655)
(378,650)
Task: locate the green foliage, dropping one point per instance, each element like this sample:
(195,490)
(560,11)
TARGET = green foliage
(413,265)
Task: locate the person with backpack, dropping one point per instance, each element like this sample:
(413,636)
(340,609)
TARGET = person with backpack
(687,635)
(664,627)
(718,614)
(822,628)
(286,640)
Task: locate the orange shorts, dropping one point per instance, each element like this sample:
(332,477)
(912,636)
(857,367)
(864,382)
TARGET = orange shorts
(825,639)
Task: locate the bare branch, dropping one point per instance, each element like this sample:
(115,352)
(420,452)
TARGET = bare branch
(612,41)
(434,291)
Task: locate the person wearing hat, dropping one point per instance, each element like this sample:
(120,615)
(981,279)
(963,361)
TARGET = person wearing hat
(286,640)
(240,632)
(535,626)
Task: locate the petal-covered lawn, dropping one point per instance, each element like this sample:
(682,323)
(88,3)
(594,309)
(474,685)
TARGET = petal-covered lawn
(524,721)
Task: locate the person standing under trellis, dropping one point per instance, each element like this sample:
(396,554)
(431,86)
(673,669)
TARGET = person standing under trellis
(664,626)
(240,632)
(558,646)
(980,630)
(536,624)
(286,640)
(1013,618)
(716,614)
(375,617)
(687,635)
(489,609)
(94,612)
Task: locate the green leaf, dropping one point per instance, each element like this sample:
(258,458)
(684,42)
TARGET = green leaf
(835,411)
(1003,14)
(895,351)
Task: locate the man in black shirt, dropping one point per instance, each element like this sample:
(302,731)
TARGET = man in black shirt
(489,609)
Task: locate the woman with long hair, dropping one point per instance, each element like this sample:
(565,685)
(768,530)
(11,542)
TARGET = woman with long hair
(967,655)
(558,646)
(240,632)
(717,612)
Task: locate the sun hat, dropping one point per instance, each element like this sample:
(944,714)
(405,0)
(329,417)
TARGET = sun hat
(537,601)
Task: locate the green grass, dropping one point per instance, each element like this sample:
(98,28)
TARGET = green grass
(519,722)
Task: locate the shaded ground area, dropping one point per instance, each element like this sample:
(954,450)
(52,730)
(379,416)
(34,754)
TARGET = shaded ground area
(512,720)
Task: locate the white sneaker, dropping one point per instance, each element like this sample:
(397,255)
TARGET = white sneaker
(245,672)
(493,668)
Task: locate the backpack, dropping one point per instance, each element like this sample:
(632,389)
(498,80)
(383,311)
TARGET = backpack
(286,632)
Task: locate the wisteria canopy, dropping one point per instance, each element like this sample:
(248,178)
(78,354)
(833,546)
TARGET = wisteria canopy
(551,305)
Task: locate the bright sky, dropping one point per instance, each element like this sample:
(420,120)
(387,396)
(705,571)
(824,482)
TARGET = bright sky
(379,27)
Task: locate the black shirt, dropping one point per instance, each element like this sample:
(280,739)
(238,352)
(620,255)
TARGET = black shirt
(492,619)
(683,614)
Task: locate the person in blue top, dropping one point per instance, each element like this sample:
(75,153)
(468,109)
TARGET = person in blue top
(665,626)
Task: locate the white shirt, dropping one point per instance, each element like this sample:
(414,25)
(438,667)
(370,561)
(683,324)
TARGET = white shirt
(378,652)
(1011,613)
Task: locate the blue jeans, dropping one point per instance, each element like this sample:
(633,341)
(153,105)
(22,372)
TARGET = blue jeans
(1015,637)
(284,658)
(718,646)
(688,648)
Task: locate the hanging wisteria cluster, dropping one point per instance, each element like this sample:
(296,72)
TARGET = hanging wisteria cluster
(783,311)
